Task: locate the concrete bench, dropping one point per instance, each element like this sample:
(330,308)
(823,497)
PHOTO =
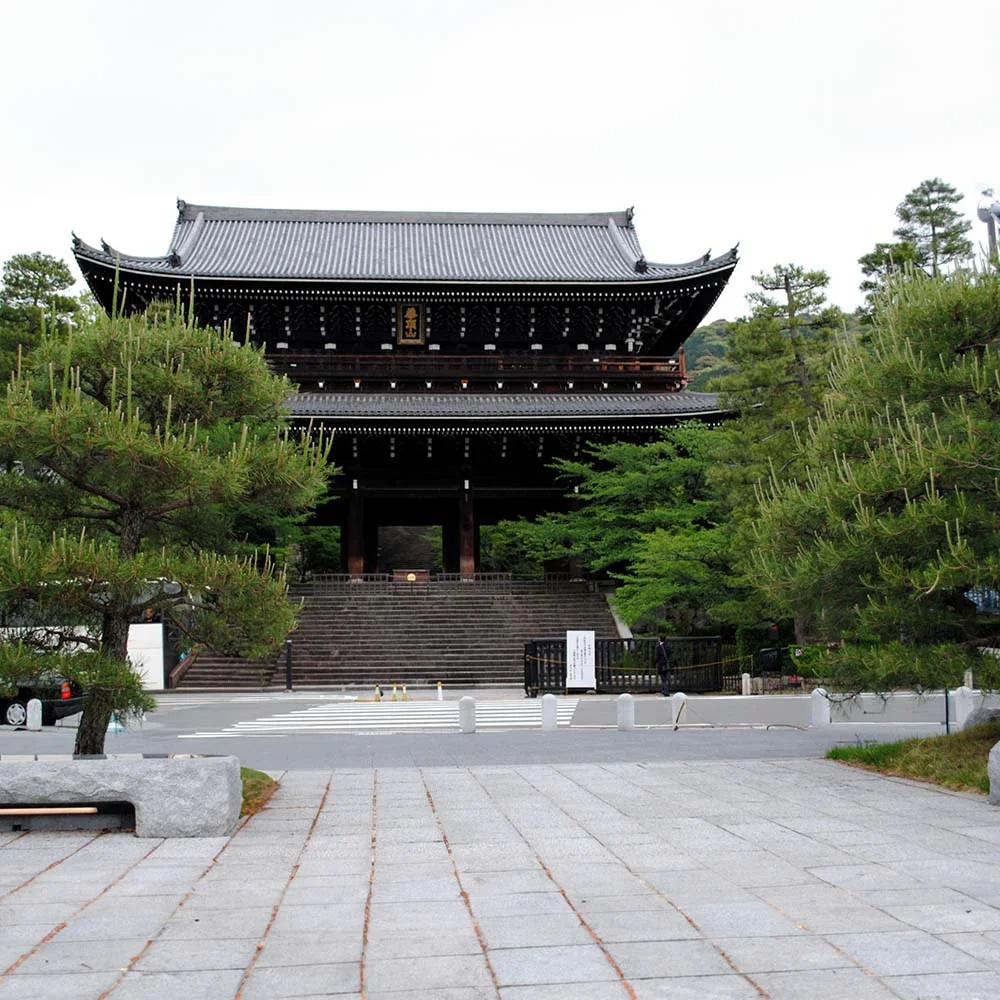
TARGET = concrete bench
(173,795)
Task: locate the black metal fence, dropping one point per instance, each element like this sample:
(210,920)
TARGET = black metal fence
(627,665)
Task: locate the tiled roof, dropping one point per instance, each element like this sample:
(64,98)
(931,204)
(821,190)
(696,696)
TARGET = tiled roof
(216,242)
(508,407)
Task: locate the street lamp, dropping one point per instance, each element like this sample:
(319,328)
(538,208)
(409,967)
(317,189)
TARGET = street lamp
(988,211)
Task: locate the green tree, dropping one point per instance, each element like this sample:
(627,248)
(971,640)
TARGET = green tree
(884,262)
(679,573)
(894,512)
(123,441)
(928,221)
(32,296)
(643,513)
(781,356)
(35,282)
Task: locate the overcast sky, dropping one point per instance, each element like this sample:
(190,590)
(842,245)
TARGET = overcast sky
(792,128)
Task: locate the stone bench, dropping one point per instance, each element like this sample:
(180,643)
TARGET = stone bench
(173,795)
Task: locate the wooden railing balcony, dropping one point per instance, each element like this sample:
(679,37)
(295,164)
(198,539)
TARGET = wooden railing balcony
(453,372)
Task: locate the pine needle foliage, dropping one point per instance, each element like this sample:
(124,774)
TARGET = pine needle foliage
(894,514)
(126,447)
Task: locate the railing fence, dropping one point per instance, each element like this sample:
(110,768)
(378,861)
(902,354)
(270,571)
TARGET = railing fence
(628,665)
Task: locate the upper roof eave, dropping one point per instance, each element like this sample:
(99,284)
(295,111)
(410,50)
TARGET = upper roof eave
(161,267)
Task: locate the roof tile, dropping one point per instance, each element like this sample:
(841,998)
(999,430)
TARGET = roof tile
(309,245)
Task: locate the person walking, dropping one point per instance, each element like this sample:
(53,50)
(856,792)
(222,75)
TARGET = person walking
(661,659)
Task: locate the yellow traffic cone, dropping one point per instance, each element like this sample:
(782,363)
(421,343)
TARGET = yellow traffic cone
(394,698)
(378,693)
(406,697)
(440,692)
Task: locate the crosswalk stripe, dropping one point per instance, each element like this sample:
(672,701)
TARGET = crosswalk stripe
(392,717)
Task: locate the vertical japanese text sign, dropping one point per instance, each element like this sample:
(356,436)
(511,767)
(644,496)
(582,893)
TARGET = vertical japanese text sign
(580,669)
(409,324)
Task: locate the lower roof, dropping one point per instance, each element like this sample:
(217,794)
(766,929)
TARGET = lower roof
(512,410)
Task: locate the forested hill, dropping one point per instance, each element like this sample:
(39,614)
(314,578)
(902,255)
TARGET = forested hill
(705,350)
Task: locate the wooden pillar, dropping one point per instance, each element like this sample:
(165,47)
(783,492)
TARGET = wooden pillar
(449,543)
(371,558)
(352,543)
(467,550)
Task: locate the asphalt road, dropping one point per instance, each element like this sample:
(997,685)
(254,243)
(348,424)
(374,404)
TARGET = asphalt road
(169,730)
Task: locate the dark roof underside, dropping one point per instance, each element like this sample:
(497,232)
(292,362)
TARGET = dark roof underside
(214,242)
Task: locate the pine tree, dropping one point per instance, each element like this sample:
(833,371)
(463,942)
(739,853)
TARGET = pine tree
(122,443)
(781,355)
(32,296)
(929,222)
(892,516)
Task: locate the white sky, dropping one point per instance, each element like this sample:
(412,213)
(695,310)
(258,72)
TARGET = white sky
(794,128)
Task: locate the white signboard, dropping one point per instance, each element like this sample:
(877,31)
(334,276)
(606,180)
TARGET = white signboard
(145,650)
(580,670)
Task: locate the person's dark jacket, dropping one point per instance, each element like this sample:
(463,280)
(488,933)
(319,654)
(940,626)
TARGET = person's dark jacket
(662,658)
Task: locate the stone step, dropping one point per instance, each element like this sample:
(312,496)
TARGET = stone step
(460,636)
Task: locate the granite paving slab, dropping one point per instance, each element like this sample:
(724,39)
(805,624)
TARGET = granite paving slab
(729,879)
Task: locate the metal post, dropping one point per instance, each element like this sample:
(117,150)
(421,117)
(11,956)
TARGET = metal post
(947,713)
(288,664)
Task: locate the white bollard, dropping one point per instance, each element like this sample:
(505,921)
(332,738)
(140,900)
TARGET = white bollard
(440,692)
(968,679)
(965,705)
(34,720)
(745,684)
(467,714)
(819,706)
(678,700)
(626,711)
(549,703)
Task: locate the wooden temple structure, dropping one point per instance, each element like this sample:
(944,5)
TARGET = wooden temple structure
(453,355)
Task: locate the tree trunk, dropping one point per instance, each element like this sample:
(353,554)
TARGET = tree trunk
(97,709)
(793,335)
(93,725)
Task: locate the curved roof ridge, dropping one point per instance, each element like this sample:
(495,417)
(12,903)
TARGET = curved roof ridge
(179,251)
(705,261)
(108,251)
(635,261)
(188,213)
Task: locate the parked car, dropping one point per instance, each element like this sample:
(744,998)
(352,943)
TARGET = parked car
(59,698)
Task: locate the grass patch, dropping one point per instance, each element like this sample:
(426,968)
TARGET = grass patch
(957,760)
(258,787)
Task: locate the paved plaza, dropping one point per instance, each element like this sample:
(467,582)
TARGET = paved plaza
(787,878)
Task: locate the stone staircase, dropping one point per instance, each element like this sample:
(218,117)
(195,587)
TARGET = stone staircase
(462,634)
